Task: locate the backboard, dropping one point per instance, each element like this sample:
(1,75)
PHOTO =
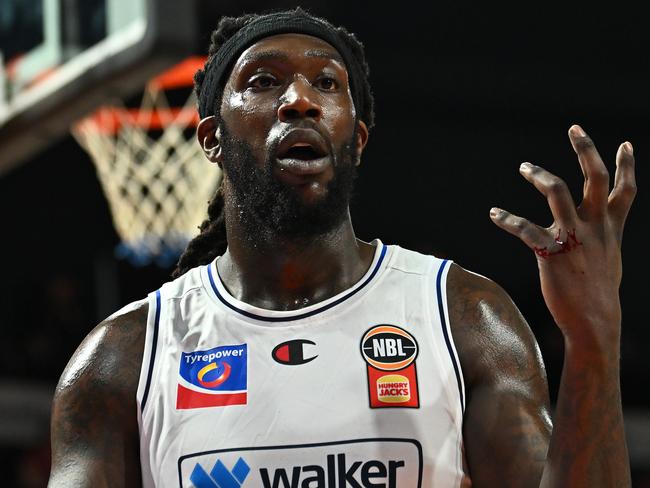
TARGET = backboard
(62,58)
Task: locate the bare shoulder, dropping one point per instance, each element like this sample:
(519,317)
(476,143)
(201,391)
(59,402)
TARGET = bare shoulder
(94,414)
(111,353)
(507,422)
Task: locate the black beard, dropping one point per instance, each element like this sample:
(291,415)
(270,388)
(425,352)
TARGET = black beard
(270,210)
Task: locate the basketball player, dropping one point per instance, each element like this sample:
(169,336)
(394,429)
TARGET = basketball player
(300,356)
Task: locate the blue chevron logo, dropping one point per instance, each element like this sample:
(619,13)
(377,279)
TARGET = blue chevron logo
(220,476)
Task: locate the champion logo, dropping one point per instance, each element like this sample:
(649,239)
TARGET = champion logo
(220,476)
(293,352)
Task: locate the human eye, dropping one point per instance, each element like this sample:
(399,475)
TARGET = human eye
(262,81)
(327,83)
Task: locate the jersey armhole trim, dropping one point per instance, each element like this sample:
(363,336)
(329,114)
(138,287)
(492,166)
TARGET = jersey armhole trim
(152,358)
(446,330)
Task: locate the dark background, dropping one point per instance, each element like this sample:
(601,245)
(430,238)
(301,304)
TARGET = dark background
(464,94)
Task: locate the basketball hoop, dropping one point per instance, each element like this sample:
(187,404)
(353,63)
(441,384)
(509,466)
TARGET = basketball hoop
(151,168)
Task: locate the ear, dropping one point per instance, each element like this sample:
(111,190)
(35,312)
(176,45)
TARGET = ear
(208,134)
(361,139)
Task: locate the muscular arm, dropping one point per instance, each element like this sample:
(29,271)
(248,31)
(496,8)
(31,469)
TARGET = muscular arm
(580,268)
(507,425)
(94,424)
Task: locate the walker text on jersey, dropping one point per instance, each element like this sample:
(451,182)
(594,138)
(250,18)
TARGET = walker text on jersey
(355,463)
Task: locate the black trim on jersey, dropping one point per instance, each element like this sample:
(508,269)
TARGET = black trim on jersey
(415,442)
(302,315)
(154,342)
(443,322)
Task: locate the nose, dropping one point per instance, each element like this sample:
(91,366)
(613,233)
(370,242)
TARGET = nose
(299,101)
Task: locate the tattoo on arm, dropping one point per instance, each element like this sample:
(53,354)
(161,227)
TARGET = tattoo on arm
(507,424)
(94,424)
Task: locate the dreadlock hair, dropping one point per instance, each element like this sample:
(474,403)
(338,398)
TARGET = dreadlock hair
(211,241)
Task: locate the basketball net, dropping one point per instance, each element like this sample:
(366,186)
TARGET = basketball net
(151,168)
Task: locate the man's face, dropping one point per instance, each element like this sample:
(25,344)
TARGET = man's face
(288,136)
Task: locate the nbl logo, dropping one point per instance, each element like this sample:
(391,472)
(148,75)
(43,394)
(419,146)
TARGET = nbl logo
(390,353)
(388,347)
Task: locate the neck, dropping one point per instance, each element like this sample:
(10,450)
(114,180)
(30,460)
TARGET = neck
(288,274)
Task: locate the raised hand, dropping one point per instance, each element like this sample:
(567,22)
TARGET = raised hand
(579,255)
(579,261)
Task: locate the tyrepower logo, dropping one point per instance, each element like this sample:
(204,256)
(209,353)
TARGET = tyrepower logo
(359,463)
(390,353)
(216,377)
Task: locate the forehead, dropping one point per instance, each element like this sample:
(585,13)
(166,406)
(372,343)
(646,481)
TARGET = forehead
(288,47)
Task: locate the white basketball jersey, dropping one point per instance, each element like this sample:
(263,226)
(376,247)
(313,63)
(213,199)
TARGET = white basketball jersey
(361,390)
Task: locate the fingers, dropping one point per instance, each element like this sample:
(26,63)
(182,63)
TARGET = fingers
(555,190)
(532,235)
(621,197)
(594,170)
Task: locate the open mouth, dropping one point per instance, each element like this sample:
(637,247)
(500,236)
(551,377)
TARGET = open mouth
(304,152)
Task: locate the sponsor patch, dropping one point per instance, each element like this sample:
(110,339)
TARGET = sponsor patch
(355,463)
(293,352)
(220,476)
(390,353)
(213,378)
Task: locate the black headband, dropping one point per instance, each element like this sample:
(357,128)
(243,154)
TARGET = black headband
(218,67)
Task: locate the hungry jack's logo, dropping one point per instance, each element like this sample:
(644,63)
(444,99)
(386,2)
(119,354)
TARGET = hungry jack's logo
(390,354)
(213,378)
